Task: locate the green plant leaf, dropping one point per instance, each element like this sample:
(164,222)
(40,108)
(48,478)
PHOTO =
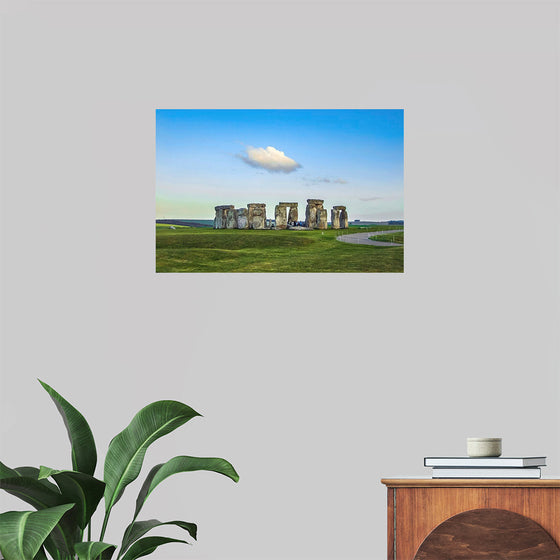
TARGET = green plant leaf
(146,546)
(180,464)
(31,491)
(22,533)
(60,543)
(84,455)
(41,496)
(139,528)
(41,555)
(92,550)
(64,531)
(7,472)
(33,472)
(82,489)
(127,449)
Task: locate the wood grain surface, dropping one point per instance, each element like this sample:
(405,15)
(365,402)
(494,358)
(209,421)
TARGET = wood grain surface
(488,534)
(418,511)
(471,482)
(390,524)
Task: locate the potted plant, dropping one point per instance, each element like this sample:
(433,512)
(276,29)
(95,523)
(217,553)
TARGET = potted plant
(65,500)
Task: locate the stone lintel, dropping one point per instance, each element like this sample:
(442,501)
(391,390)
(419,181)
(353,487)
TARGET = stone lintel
(315,201)
(224,207)
(256,205)
(339,207)
(290,204)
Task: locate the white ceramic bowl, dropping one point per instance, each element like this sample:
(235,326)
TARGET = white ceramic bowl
(484,447)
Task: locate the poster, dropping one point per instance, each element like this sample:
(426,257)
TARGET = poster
(337,207)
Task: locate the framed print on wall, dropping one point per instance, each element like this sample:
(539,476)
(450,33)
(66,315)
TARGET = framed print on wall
(279,190)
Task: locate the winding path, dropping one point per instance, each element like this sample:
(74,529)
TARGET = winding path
(364,238)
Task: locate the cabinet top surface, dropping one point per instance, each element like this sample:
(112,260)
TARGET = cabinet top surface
(470,482)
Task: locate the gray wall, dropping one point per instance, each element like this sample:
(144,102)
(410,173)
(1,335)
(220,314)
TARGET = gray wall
(390,367)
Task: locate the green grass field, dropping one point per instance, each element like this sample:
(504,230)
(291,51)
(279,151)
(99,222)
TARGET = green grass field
(390,237)
(186,249)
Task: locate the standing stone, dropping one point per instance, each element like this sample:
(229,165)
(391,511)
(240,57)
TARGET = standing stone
(257,215)
(242,222)
(310,216)
(231,218)
(335,218)
(280,216)
(282,209)
(312,213)
(221,216)
(293,215)
(321,218)
(343,219)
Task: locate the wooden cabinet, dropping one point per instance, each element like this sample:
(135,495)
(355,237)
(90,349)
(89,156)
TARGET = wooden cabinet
(473,519)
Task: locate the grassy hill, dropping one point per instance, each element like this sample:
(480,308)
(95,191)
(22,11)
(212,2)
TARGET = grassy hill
(185,249)
(390,237)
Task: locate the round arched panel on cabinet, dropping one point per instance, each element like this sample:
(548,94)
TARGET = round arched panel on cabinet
(488,534)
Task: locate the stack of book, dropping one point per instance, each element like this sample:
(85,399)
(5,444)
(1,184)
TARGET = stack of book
(485,467)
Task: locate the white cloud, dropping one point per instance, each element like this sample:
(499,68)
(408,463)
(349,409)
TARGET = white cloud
(269,158)
(315,180)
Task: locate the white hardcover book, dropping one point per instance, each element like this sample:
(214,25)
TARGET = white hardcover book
(467,462)
(457,472)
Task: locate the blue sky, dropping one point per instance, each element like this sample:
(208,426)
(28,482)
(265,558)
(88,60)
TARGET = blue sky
(206,158)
